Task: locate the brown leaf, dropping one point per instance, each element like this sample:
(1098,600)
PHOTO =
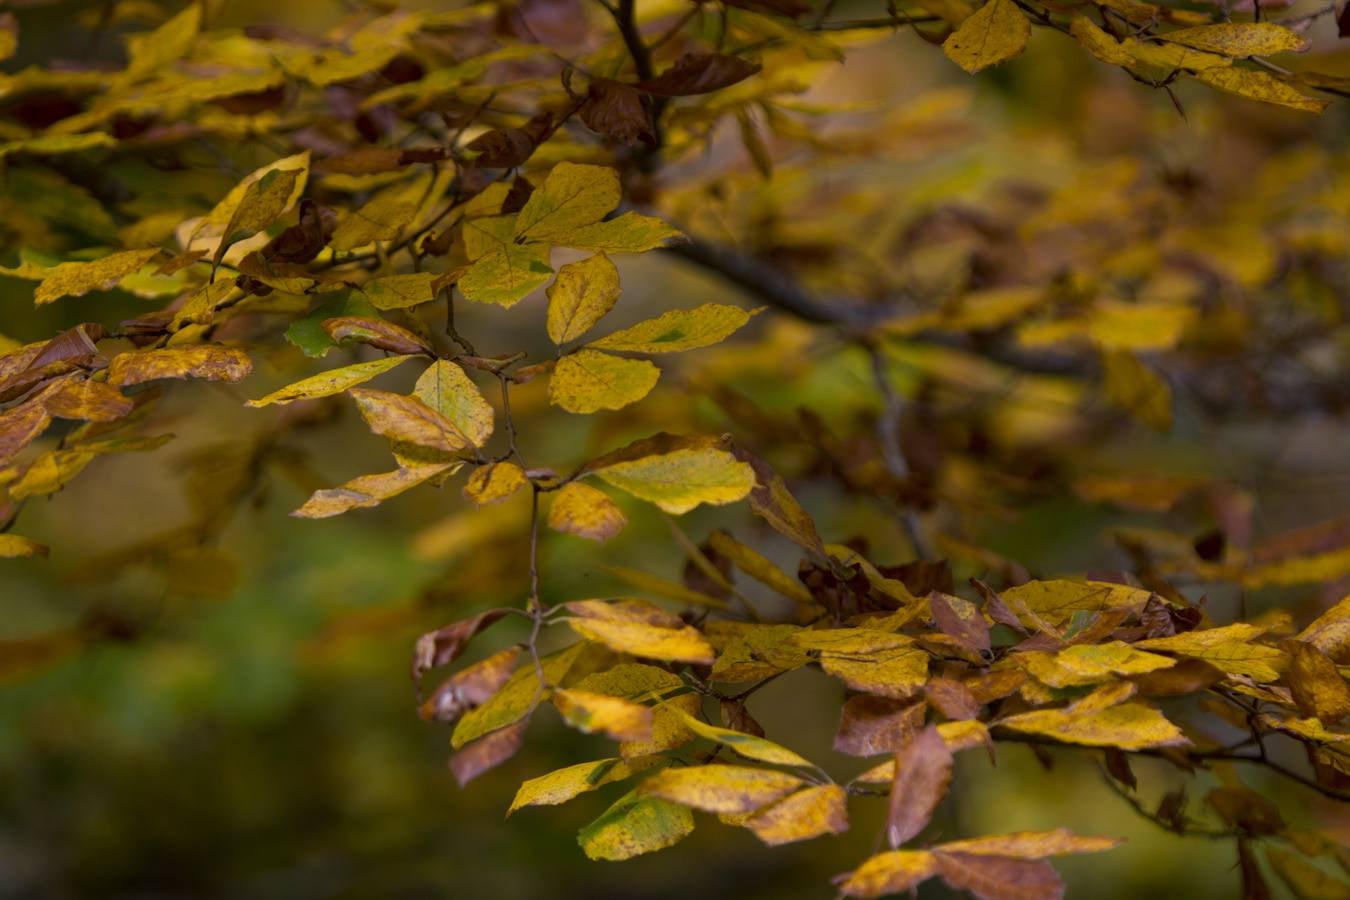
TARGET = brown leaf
(1186,677)
(444,645)
(1000,878)
(870,725)
(90,401)
(618,110)
(488,752)
(207,361)
(470,687)
(771,500)
(303,241)
(1318,688)
(923,770)
(21,425)
(699,73)
(995,608)
(951,698)
(502,148)
(377,333)
(962,621)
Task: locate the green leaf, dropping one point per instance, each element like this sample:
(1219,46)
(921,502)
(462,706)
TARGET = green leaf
(633,826)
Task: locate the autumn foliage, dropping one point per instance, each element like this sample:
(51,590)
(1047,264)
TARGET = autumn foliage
(919,355)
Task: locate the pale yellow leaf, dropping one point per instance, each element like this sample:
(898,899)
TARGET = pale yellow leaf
(580,296)
(680,480)
(75,279)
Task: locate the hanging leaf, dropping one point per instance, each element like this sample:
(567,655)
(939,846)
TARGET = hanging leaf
(807,814)
(619,719)
(633,826)
(719,788)
(680,479)
(369,490)
(334,381)
(572,196)
(582,510)
(923,771)
(587,381)
(677,330)
(1129,726)
(699,73)
(996,33)
(494,483)
(580,296)
(75,279)
(572,781)
(208,362)
(446,388)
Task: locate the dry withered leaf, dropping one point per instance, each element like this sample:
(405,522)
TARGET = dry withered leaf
(923,770)
(699,73)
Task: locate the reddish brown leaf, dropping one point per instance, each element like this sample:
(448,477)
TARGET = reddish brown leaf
(442,646)
(699,73)
(502,148)
(995,608)
(471,687)
(923,770)
(960,620)
(20,426)
(303,241)
(999,877)
(89,401)
(488,752)
(1254,885)
(377,333)
(951,698)
(1246,809)
(618,110)
(1118,766)
(870,725)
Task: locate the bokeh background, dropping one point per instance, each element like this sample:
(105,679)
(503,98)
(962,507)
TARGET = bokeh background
(246,727)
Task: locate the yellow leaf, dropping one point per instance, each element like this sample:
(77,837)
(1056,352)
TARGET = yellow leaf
(90,401)
(1231,648)
(893,872)
(896,672)
(494,483)
(629,233)
(517,698)
(408,420)
(573,195)
(149,52)
(55,469)
(262,204)
(207,361)
(368,490)
(580,296)
(1330,632)
(1097,42)
(582,510)
(1031,844)
(661,587)
(399,291)
(759,567)
(1139,326)
(506,274)
(447,388)
(564,784)
(334,381)
(683,644)
(677,330)
(383,217)
(13,546)
(1239,39)
(633,826)
(747,745)
(1129,726)
(75,279)
(1310,569)
(1057,601)
(620,719)
(54,144)
(681,479)
(1085,664)
(995,33)
(221,214)
(588,381)
(1136,388)
(1172,56)
(719,788)
(801,816)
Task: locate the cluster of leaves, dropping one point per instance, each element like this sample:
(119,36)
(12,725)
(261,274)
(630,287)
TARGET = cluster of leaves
(420,160)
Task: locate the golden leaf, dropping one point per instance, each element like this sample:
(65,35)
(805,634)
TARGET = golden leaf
(206,361)
(1128,726)
(1031,844)
(564,784)
(580,296)
(719,788)
(588,381)
(399,291)
(747,745)
(447,388)
(684,644)
(408,420)
(620,719)
(494,483)
(368,490)
(1239,39)
(677,330)
(582,510)
(334,381)
(75,279)
(680,480)
(806,814)
(995,33)
(893,872)
(13,546)
(573,195)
